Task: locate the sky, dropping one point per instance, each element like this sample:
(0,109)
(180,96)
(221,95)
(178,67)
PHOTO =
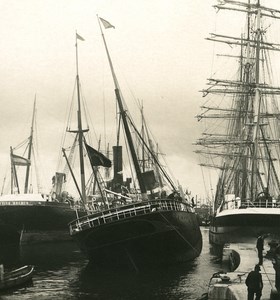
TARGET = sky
(160,55)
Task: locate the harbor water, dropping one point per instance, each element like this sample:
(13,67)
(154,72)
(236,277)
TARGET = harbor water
(62,272)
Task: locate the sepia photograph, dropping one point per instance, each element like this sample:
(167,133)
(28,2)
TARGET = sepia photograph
(140,150)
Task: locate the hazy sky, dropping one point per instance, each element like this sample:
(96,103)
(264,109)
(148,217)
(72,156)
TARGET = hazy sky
(160,54)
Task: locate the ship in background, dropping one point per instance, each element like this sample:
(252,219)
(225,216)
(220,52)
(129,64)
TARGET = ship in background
(131,221)
(27,215)
(242,135)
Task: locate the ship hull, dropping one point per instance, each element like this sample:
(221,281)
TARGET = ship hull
(35,223)
(143,241)
(239,225)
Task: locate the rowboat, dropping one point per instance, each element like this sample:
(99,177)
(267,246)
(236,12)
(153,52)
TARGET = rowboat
(15,278)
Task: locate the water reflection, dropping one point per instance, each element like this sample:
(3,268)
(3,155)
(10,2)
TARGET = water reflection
(9,255)
(62,272)
(164,283)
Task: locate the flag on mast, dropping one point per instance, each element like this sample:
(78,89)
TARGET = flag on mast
(97,158)
(79,37)
(106,24)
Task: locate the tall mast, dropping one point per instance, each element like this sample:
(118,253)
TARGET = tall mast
(251,127)
(256,107)
(246,98)
(80,130)
(30,148)
(125,123)
(143,135)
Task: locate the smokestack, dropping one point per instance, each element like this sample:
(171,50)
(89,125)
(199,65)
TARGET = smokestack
(118,166)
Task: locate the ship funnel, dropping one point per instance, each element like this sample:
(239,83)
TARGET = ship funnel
(118,164)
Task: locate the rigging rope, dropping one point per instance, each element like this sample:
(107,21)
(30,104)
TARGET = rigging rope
(182,236)
(267,277)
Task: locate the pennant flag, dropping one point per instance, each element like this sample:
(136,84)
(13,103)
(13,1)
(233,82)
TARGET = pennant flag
(79,37)
(106,24)
(97,159)
(20,161)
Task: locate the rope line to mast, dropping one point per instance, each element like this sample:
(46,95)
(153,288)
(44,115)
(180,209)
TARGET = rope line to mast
(182,235)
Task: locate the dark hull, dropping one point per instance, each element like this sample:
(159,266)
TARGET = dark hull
(240,227)
(152,239)
(35,223)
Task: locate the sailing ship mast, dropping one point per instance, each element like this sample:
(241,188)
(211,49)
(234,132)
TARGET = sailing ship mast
(247,155)
(125,122)
(256,107)
(30,149)
(81,142)
(79,133)
(80,130)
(151,157)
(21,161)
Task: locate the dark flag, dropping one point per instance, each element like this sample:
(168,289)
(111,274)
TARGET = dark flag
(97,159)
(79,37)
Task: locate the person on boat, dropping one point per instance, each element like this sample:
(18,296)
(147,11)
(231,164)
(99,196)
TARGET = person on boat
(124,197)
(254,284)
(259,246)
(264,198)
(193,204)
(174,196)
(124,194)
(163,194)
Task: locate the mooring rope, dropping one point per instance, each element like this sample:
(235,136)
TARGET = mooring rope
(182,236)
(267,276)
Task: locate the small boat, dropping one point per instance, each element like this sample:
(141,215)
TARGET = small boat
(16,277)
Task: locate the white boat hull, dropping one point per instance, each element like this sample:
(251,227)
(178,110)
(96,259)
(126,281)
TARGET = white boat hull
(237,225)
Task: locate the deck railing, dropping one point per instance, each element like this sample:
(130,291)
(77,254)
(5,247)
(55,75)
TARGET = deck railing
(127,211)
(238,204)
